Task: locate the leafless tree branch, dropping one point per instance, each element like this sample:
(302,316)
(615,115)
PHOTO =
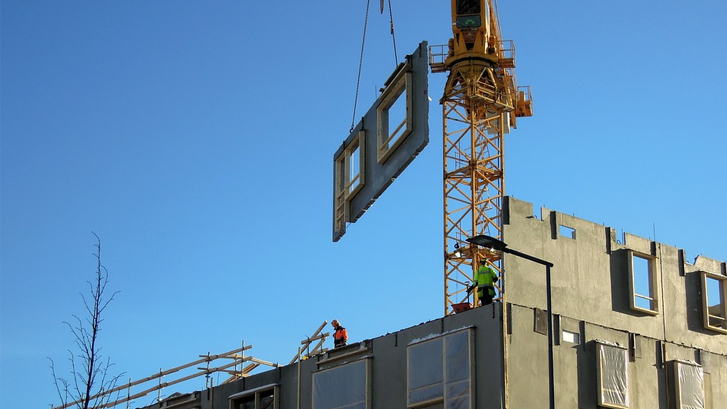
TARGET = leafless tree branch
(90,370)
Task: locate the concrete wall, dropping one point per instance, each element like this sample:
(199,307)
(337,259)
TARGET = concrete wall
(590,296)
(575,366)
(591,305)
(388,359)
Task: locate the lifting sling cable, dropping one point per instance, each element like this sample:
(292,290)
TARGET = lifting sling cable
(393,37)
(360,64)
(363,43)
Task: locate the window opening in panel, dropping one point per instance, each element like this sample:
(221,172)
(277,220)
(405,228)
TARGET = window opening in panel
(343,387)
(397,116)
(351,165)
(439,372)
(565,231)
(267,400)
(642,269)
(247,403)
(426,372)
(571,337)
(340,202)
(354,165)
(689,385)
(394,115)
(612,376)
(714,303)
(349,175)
(263,398)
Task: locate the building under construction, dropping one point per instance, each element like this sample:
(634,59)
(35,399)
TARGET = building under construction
(583,317)
(635,324)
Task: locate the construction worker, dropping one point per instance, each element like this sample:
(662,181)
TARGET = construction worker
(485,283)
(340,336)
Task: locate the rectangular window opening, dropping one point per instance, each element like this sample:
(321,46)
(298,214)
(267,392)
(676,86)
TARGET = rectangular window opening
(263,398)
(571,337)
(343,387)
(247,403)
(688,381)
(714,305)
(349,173)
(394,114)
(439,371)
(612,376)
(354,167)
(642,272)
(351,166)
(340,205)
(565,231)
(267,401)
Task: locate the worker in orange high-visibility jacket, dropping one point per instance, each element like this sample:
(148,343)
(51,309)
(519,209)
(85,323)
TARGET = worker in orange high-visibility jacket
(340,336)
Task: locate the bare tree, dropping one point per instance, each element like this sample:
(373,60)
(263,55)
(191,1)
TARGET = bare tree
(90,373)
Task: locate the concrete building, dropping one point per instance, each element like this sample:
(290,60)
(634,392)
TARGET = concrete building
(636,325)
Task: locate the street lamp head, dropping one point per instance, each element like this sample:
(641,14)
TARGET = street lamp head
(487,242)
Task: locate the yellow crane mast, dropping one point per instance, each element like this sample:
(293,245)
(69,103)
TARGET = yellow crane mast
(481,102)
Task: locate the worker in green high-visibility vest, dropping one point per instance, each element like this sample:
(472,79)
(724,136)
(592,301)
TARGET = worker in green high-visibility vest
(485,282)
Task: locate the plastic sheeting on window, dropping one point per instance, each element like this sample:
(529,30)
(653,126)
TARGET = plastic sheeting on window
(457,374)
(344,386)
(439,370)
(425,371)
(690,391)
(613,376)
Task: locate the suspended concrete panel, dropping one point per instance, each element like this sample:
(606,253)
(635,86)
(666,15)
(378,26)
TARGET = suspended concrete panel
(391,134)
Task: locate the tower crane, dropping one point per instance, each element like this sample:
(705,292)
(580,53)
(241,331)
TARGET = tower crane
(481,103)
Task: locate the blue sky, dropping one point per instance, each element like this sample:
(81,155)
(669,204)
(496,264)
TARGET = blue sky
(196,139)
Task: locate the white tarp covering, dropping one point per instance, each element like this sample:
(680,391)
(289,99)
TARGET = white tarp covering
(613,376)
(439,370)
(691,386)
(341,387)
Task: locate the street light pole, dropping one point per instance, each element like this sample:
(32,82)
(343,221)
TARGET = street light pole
(496,244)
(549,302)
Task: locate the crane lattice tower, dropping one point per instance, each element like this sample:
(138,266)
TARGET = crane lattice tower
(481,102)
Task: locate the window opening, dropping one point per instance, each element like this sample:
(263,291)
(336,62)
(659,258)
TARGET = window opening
(612,376)
(247,403)
(714,305)
(354,165)
(642,271)
(267,401)
(571,337)
(566,231)
(344,386)
(439,370)
(689,388)
(349,178)
(350,167)
(341,204)
(263,398)
(426,381)
(394,114)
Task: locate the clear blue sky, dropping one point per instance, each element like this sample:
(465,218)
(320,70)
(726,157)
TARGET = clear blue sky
(196,139)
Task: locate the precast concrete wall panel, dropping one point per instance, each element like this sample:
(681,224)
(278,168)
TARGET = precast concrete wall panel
(590,277)
(380,170)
